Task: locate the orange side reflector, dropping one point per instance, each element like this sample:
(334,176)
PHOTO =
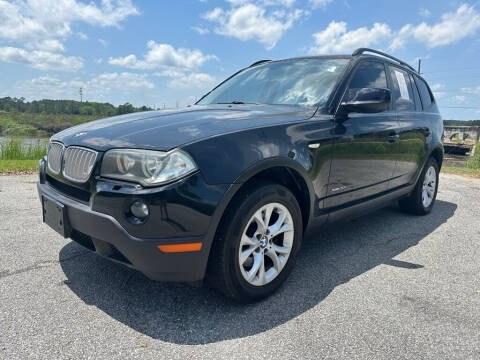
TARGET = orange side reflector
(176,248)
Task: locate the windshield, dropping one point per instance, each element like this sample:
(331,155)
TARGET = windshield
(289,82)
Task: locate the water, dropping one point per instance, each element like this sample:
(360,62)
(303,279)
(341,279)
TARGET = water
(455,160)
(26,141)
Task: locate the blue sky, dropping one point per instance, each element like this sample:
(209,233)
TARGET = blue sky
(164,52)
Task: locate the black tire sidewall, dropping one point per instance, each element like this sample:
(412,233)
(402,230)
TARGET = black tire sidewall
(258,198)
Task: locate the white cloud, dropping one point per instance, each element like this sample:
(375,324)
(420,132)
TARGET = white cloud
(43,25)
(424,12)
(470,90)
(285,3)
(170,73)
(50,45)
(437,90)
(251,21)
(34,20)
(415,60)
(459,99)
(82,36)
(437,86)
(103,42)
(453,27)
(336,39)
(100,87)
(184,80)
(164,56)
(201,30)
(120,81)
(316,4)
(192,81)
(48,87)
(39,59)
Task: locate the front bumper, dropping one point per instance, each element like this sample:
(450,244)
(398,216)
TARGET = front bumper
(104,234)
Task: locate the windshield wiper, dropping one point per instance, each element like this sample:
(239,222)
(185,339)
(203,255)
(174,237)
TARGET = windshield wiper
(237,103)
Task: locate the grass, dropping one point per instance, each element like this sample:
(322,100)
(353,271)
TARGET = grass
(16,157)
(474,161)
(475,173)
(14,149)
(18,166)
(38,125)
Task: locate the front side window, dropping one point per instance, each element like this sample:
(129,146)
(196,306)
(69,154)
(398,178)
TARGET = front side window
(369,74)
(290,82)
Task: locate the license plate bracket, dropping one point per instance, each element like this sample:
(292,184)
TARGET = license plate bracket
(55,216)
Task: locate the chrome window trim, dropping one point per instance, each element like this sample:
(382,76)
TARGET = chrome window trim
(61,157)
(90,173)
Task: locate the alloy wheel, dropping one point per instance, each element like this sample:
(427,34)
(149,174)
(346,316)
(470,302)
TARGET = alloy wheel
(429,186)
(266,244)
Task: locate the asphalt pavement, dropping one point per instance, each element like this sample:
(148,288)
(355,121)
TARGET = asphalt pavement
(387,286)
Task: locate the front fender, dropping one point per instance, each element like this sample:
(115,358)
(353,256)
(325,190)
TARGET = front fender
(238,183)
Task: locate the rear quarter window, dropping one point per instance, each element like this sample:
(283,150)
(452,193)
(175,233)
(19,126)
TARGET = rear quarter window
(416,95)
(425,93)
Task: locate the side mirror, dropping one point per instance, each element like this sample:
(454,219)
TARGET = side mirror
(366,100)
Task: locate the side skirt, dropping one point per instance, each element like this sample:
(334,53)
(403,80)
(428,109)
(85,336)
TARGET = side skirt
(359,207)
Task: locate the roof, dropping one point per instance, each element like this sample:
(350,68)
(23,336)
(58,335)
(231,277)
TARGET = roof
(357,53)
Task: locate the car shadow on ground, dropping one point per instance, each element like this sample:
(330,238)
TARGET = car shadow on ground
(179,313)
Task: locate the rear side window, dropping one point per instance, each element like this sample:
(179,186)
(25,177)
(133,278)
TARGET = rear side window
(402,90)
(369,74)
(427,98)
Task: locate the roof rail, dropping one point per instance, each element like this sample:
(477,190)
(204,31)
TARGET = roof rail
(362,50)
(259,62)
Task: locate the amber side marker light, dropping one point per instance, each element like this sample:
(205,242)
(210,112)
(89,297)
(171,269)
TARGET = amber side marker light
(177,248)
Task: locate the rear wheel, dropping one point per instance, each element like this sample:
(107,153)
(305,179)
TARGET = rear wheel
(256,246)
(422,198)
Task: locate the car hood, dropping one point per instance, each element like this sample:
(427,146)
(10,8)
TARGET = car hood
(167,129)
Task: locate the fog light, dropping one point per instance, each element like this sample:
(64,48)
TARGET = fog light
(139,209)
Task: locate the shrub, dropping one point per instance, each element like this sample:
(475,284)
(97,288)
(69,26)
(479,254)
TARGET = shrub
(474,161)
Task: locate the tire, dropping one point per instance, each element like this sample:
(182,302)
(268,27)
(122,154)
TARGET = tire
(416,203)
(241,233)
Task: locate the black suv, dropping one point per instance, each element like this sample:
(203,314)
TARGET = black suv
(226,188)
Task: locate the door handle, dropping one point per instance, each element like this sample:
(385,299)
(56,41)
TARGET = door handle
(393,137)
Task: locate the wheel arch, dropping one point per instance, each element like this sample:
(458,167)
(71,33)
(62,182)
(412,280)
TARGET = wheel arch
(437,154)
(282,171)
(286,172)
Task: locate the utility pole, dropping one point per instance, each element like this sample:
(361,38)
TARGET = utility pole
(81,94)
(419,65)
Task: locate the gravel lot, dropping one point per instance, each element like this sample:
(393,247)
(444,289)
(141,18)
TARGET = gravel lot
(387,285)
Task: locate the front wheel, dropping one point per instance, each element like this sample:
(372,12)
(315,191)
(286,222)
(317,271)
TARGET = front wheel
(257,243)
(422,198)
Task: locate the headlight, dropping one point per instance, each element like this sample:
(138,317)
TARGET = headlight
(146,167)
